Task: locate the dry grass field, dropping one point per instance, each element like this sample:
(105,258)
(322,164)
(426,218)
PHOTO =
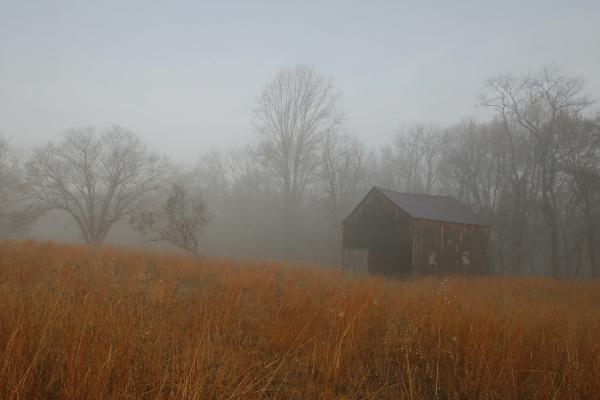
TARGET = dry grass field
(85,323)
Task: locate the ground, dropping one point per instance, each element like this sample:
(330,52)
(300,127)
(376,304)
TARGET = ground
(103,322)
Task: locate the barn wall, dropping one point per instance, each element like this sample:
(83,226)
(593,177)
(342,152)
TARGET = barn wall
(387,249)
(447,248)
(380,230)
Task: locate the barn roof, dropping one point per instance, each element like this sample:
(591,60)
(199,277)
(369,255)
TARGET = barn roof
(430,207)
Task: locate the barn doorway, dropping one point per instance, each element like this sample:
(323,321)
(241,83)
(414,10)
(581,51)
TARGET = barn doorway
(390,258)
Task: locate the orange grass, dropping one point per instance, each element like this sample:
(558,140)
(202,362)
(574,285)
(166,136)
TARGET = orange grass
(91,323)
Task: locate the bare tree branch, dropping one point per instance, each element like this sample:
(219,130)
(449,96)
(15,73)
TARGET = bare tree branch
(98,179)
(179,221)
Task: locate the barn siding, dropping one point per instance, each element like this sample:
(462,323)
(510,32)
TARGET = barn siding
(441,247)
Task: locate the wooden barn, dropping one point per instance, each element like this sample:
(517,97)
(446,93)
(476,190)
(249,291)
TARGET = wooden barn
(395,233)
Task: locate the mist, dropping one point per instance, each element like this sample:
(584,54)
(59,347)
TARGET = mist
(435,99)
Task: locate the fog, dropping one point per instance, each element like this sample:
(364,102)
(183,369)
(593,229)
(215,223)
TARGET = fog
(409,96)
(186,75)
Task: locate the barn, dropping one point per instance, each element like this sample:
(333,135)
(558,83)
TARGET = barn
(393,233)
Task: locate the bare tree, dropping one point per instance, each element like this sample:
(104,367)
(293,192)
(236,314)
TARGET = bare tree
(474,166)
(212,172)
(179,221)
(532,106)
(254,198)
(343,177)
(385,171)
(293,114)
(17,208)
(581,164)
(416,154)
(97,179)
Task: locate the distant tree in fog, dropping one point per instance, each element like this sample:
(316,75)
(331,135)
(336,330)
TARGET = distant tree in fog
(385,172)
(292,116)
(343,174)
(474,166)
(240,193)
(17,208)
(416,153)
(581,165)
(178,221)
(212,172)
(343,177)
(533,108)
(97,179)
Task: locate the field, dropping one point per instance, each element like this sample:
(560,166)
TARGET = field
(93,323)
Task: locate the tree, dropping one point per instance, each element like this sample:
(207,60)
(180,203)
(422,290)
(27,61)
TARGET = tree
(97,179)
(385,170)
(179,221)
(17,208)
(581,165)
(343,178)
(474,166)
(293,114)
(212,172)
(416,154)
(532,107)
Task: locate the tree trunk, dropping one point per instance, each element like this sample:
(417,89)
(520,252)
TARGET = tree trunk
(590,235)
(555,243)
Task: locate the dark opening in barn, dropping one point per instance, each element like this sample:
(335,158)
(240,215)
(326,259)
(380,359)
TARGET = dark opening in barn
(395,233)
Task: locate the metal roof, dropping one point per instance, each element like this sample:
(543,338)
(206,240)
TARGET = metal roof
(436,208)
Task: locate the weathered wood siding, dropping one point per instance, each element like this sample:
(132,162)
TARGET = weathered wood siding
(447,248)
(375,211)
(356,260)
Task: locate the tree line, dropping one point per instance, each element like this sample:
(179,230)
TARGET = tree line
(532,171)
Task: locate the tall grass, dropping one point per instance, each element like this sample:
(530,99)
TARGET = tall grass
(93,323)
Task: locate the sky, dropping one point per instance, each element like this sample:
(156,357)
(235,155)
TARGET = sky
(185,76)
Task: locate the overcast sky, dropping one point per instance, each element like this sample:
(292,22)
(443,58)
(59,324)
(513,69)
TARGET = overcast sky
(186,75)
